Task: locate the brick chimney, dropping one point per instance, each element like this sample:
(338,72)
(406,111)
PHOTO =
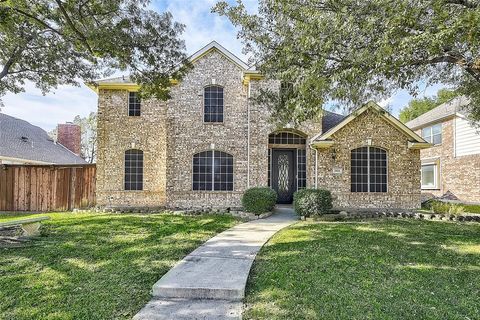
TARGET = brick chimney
(69,135)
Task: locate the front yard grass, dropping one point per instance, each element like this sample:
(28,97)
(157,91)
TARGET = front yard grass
(96,266)
(387,269)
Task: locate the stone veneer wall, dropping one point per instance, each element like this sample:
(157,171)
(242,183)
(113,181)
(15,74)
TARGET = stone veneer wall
(403,189)
(171,133)
(118,132)
(459,175)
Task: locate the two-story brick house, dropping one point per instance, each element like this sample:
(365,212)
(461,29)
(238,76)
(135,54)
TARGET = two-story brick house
(451,168)
(209,143)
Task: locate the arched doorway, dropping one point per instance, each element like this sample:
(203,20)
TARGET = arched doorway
(286,163)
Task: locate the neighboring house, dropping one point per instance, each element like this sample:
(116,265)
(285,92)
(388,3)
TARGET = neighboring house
(451,168)
(24,143)
(209,143)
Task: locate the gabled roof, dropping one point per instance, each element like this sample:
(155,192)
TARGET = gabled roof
(124,83)
(22,140)
(443,111)
(214,45)
(324,139)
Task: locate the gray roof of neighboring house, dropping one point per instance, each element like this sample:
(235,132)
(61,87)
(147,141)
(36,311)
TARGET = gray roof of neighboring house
(330,120)
(444,110)
(22,140)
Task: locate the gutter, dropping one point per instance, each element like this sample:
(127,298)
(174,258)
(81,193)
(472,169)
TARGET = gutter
(248,135)
(316,164)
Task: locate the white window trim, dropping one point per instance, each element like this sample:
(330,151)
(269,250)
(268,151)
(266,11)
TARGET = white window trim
(430,128)
(436,175)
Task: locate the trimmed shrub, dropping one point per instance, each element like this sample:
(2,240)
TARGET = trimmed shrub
(446,208)
(308,202)
(259,200)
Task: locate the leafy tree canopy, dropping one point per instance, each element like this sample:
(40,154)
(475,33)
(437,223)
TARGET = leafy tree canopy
(352,51)
(53,42)
(418,106)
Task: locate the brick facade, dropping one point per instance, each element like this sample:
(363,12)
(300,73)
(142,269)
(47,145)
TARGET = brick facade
(170,133)
(460,175)
(403,186)
(69,135)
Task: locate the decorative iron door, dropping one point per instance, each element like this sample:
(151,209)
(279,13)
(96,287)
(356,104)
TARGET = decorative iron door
(284,171)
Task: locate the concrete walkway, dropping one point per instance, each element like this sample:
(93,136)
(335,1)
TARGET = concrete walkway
(210,282)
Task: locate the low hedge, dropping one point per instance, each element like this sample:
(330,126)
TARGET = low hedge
(259,200)
(308,202)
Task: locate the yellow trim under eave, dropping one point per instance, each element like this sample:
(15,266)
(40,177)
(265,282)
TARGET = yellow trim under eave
(322,144)
(419,145)
(132,87)
(247,76)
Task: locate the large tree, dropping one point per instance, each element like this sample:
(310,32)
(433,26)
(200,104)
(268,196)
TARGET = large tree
(350,51)
(418,106)
(53,42)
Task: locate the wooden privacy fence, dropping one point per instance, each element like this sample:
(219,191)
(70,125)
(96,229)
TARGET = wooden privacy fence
(46,187)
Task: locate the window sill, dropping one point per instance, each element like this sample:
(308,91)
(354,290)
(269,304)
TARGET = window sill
(430,188)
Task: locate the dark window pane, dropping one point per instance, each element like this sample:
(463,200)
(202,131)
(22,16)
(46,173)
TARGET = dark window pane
(368,170)
(133,170)
(213,104)
(133,104)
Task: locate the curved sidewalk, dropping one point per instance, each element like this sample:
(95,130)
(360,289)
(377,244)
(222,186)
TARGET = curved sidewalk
(210,282)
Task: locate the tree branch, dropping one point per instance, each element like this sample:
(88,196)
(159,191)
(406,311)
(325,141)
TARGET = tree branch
(43,23)
(72,25)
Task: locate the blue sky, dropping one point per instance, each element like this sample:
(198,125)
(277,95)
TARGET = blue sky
(202,26)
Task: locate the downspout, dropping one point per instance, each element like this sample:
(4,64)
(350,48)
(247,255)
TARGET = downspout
(316,165)
(248,136)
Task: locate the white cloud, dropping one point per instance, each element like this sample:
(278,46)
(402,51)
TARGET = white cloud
(47,111)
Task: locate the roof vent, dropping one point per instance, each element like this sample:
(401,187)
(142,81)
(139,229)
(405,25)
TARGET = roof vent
(24,139)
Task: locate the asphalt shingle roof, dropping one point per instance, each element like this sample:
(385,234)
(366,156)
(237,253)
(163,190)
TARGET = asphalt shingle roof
(442,111)
(22,140)
(330,120)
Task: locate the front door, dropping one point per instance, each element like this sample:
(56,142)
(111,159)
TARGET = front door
(284,173)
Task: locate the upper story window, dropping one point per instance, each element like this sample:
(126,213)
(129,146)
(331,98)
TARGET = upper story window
(133,104)
(213,171)
(134,169)
(368,170)
(213,104)
(433,134)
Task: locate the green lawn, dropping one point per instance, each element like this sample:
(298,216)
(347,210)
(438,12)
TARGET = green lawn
(96,266)
(389,269)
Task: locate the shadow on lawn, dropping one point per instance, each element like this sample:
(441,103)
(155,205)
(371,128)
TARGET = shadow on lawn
(375,270)
(97,266)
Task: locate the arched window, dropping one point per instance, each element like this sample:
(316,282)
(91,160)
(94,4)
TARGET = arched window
(134,169)
(368,170)
(213,171)
(285,138)
(213,104)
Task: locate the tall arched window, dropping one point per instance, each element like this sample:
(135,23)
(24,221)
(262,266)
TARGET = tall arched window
(368,170)
(134,169)
(212,171)
(213,104)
